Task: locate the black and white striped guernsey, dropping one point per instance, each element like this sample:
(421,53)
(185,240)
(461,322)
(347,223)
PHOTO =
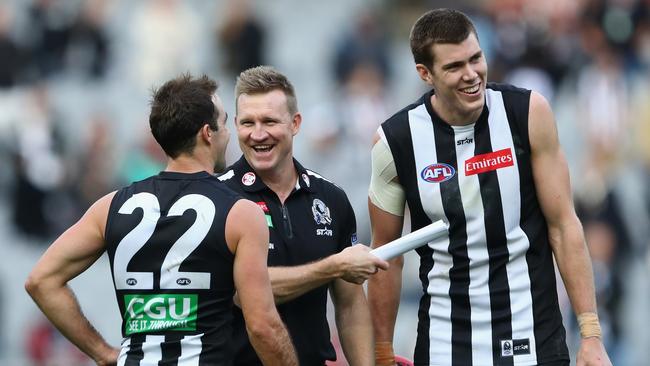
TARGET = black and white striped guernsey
(489,292)
(172,270)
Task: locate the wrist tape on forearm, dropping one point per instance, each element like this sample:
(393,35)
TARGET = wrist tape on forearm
(384,354)
(589,325)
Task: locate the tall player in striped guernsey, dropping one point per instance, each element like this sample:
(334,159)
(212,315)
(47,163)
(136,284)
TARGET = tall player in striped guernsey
(179,244)
(485,158)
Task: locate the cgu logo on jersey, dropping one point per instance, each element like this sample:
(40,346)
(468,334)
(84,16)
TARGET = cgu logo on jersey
(151,313)
(490,161)
(437,173)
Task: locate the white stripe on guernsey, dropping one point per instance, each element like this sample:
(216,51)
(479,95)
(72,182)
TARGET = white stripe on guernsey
(424,150)
(477,252)
(152,350)
(521,302)
(190,350)
(121,358)
(382,138)
(314,174)
(225,176)
(382,135)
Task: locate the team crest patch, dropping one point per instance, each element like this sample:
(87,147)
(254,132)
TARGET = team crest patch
(437,173)
(514,347)
(321,213)
(506,348)
(248,179)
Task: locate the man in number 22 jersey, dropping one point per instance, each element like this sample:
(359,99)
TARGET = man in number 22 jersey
(179,243)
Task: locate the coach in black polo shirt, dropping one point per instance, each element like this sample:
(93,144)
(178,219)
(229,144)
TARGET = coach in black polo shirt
(312,229)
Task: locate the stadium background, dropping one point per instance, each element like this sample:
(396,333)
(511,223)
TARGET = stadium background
(75,78)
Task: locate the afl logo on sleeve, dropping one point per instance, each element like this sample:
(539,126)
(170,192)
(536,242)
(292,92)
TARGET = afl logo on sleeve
(436,173)
(321,213)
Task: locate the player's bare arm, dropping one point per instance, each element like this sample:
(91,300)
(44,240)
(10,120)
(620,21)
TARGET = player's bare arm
(384,289)
(354,264)
(551,175)
(248,237)
(353,322)
(71,254)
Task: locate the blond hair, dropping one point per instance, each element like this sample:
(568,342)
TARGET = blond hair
(263,79)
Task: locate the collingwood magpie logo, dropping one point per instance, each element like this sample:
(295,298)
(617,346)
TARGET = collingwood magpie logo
(506,348)
(321,213)
(322,217)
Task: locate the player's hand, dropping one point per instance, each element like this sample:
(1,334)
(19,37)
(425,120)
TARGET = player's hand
(109,358)
(356,264)
(592,353)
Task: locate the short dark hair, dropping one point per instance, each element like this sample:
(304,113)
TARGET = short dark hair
(438,26)
(263,79)
(179,109)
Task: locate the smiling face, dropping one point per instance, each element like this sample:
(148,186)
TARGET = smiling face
(265,129)
(458,76)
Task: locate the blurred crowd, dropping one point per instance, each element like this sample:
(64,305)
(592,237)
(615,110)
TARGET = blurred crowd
(74,78)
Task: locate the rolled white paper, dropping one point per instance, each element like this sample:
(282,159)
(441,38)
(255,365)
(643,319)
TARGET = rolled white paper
(410,241)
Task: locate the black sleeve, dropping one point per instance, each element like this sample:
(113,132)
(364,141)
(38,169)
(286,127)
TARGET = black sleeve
(349,225)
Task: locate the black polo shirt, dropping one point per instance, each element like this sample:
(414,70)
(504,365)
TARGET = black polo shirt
(315,221)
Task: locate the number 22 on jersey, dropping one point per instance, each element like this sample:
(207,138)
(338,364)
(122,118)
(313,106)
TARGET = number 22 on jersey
(170,276)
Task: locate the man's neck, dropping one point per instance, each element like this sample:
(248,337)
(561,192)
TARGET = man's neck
(188,164)
(281,180)
(451,118)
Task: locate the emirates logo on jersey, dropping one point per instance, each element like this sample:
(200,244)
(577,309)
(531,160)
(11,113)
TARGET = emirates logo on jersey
(488,162)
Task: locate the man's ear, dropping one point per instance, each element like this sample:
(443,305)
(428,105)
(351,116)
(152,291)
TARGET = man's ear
(295,124)
(424,72)
(205,133)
